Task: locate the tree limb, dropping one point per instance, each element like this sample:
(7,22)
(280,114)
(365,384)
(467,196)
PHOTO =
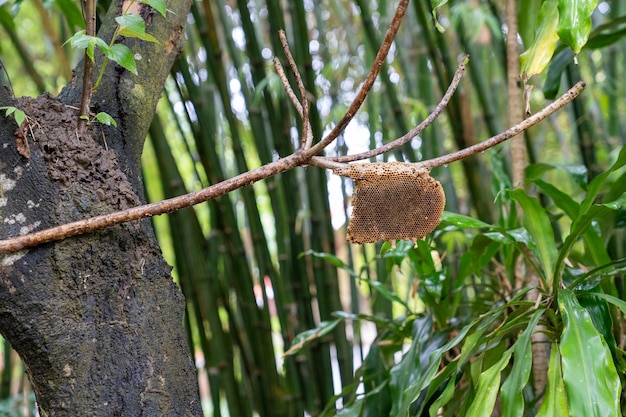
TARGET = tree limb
(299,158)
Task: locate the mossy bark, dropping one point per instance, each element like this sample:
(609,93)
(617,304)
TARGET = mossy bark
(97,318)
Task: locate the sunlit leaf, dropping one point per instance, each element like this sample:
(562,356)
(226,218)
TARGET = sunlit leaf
(106,119)
(538,55)
(142,36)
(575,22)
(435,4)
(591,381)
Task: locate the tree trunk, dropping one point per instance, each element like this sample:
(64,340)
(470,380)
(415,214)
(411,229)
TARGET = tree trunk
(96,319)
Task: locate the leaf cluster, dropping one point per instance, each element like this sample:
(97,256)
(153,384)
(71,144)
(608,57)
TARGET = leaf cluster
(129,25)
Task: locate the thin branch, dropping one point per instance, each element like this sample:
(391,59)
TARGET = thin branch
(85,100)
(307,134)
(284,164)
(368,83)
(285,82)
(415,131)
(154,209)
(569,95)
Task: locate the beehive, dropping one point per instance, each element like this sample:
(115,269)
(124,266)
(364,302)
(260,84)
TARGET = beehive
(392,200)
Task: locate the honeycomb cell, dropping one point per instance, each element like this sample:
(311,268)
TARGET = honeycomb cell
(392,200)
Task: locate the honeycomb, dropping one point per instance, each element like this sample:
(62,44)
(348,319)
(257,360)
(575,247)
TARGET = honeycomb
(392,200)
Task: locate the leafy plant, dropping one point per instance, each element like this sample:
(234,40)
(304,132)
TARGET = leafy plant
(470,342)
(129,25)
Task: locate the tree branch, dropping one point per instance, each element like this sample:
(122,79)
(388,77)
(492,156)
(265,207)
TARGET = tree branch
(569,95)
(369,81)
(299,158)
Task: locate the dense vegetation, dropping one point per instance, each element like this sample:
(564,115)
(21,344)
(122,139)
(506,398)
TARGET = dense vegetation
(515,302)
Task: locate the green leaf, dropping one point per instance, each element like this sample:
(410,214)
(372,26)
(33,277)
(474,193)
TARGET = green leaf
(488,386)
(538,224)
(589,211)
(158,5)
(6,18)
(536,57)
(512,389)
(308,336)
(20,117)
(554,400)
(621,304)
(122,55)
(331,259)
(82,41)
(591,381)
(18,114)
(463,222)
(575,22)
(142,36)
(435,4)
(559,62)
(528,18)
(403,394)
(380,288)
(106,119)
(132,21)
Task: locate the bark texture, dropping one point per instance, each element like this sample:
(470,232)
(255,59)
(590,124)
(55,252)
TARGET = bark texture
(96,319)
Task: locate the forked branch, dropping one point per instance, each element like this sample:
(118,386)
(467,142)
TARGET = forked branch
(305,155)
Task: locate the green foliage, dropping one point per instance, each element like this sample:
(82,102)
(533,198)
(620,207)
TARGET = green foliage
(489,353)
(130,25)
(18,115)
(565,20)
(101,117)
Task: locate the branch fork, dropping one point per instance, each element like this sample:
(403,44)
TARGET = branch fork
(307,153)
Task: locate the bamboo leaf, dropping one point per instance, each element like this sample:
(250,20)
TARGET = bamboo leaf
(575,22)
(331,259)
(535,59)
(308,336)
(591,381)
(554,401)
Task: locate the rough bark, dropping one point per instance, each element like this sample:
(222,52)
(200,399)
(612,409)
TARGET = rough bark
(96,319)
